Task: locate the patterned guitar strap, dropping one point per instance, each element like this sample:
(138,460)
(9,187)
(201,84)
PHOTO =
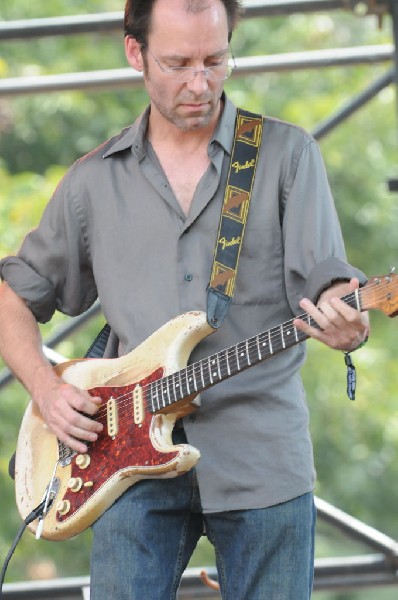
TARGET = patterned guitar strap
(242,169)
(235,209)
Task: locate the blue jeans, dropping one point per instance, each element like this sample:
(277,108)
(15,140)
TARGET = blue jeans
(143,543)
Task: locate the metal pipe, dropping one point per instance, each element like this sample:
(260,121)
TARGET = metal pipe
(61,333)
(126,77)
(353,105)
(113,21)
(357,530)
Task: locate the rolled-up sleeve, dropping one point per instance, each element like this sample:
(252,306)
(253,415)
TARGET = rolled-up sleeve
(314,249)
(52,270)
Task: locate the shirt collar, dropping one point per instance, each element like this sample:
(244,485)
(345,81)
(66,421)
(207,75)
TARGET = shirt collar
(134,137)
(224,132)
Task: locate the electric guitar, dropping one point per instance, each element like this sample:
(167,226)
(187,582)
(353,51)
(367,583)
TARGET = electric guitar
(143,394)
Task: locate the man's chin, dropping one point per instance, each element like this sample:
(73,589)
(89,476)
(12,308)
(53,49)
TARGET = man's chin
(195,121)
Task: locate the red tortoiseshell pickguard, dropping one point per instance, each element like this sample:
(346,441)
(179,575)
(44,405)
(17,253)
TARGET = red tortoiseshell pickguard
(131,447)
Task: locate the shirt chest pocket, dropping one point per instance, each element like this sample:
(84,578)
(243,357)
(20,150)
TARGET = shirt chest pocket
(260,270)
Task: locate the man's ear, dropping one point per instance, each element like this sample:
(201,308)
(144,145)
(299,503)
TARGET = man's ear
(133,53)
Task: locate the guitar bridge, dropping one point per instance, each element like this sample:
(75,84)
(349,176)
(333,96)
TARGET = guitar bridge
(65,454)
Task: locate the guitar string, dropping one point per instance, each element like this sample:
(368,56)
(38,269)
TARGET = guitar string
(158,386)
(162,385)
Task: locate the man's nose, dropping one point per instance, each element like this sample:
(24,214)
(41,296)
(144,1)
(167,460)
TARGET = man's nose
(199,81)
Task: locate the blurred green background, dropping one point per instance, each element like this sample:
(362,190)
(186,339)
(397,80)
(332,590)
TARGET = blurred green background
(356,444)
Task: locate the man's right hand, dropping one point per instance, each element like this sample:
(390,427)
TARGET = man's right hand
(69,413)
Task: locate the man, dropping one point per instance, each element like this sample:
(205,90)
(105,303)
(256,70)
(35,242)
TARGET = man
(135,223)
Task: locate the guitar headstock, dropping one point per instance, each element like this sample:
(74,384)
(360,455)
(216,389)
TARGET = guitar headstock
(381,293)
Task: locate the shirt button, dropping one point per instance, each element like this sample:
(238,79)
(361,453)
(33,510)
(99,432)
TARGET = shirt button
(188,277)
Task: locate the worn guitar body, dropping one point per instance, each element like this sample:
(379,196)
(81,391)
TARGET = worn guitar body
(143,394)
(135,443)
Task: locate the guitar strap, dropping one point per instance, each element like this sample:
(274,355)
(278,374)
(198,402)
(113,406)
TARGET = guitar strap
(235,209)
(242,169)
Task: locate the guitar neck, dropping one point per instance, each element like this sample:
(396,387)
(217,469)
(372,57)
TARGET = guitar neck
(205,373)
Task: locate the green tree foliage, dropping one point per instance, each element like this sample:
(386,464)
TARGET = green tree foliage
(355,442)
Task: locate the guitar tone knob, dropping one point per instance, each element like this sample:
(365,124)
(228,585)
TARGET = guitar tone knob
(83,461)
(63,507)
(75,484)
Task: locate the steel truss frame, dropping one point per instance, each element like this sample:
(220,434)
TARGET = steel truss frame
(379,568)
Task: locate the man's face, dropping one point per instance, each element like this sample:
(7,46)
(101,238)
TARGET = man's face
(185,39)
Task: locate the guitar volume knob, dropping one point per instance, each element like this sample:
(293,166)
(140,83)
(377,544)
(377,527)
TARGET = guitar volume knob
(83,461)
(63,507)
(75,484)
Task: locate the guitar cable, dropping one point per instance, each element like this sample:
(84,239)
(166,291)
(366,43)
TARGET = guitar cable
(35,514)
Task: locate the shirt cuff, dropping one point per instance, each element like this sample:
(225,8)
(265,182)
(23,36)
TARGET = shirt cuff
(35,289)
(328,272)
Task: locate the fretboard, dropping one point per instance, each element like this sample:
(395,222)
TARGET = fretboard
(209,371)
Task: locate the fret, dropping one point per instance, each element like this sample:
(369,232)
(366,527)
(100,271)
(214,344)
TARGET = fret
(179,385)
(205,369)
(237,358)
(173,379)
(195,383)
(249,362)
(191,378)
(218,366)
(223,364)
(157,390)
(165,388)
(209,366)
(184,384)
(241,356)
(296,334)
(227,361)
(167,383)
(283,337)
(258,347)
(357,300)
(157,396)
(202,379)
(270,342)
(187,381)
(232,360)
(245,354)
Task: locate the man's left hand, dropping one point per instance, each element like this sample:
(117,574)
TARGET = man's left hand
(341,327)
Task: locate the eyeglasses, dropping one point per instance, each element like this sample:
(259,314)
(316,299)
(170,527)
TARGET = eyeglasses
(217,72)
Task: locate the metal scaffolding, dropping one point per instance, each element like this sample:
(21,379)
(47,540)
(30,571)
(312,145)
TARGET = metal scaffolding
(379,567)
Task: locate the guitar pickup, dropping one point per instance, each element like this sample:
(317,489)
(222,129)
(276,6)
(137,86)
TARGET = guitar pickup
(138,402)
(112,417)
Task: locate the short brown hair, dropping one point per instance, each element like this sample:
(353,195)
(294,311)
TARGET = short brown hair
(137,16)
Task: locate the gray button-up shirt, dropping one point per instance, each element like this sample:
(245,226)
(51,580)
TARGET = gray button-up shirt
(115,230)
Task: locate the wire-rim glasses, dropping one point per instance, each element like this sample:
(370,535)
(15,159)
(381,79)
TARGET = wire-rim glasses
(217,72)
